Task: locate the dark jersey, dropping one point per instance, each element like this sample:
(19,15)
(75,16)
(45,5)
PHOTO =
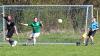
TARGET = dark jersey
(9,24)
(10,27)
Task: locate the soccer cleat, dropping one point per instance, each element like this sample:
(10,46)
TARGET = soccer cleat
(14,43)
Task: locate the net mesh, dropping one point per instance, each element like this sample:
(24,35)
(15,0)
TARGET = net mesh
(72,26)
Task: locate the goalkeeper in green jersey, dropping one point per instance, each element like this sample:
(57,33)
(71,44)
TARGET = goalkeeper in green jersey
(36,26)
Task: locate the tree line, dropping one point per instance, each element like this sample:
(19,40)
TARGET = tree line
(96,3)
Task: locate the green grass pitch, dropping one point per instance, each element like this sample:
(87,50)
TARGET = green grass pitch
(52,50)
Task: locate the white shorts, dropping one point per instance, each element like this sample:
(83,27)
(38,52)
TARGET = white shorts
(35,35)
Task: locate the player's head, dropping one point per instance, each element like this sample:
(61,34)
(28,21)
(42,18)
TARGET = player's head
(93,19)
(9,18)
(35,19)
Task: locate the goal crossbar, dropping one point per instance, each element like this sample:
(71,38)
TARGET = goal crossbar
(46,5)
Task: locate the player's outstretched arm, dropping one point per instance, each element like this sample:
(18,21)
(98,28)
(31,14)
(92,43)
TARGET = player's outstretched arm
(24,24)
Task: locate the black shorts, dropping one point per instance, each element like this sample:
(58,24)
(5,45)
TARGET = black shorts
(91,33)
(10,33)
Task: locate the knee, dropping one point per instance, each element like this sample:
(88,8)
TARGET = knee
(30,38)
(7,39)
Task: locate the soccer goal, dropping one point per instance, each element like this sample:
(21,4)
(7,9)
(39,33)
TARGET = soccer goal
(1,25)
(75,20)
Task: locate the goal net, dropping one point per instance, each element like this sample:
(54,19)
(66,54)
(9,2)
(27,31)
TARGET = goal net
(1,24)
(75,21)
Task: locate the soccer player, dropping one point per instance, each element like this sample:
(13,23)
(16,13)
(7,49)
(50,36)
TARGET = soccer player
(11,28)
(36,26)
(92,30)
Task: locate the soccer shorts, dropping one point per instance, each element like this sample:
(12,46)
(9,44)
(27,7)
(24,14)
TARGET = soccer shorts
(91,33)
(10,33)
(35,35)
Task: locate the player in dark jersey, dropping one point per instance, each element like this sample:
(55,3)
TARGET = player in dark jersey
(11,28)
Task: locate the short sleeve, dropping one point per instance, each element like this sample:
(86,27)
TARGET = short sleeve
(40,24)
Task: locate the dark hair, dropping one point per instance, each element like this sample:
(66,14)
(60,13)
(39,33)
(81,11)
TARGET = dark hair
(37,18)
(95,17)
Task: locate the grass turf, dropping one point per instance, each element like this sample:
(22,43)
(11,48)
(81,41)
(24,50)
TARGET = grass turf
(52,50)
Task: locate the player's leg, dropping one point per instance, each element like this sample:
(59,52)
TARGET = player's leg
(9,38)
(86,41)
(92,40)
(35,36)
(14,42)
(34,40)
(87,38)
(29,39)
(92,36)
(11,41)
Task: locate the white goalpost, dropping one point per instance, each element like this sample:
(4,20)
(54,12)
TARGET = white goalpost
(75,18)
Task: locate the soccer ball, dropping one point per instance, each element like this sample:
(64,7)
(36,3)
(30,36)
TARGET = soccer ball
(59,20)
